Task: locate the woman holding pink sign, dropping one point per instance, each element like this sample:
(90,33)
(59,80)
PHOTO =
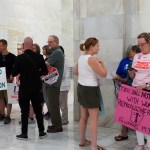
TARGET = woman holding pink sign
(141,73)
(123,77)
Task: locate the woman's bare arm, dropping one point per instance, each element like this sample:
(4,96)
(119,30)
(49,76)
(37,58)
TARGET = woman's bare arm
(98,66)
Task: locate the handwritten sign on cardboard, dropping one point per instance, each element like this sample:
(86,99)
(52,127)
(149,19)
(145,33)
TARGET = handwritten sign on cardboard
(133,109)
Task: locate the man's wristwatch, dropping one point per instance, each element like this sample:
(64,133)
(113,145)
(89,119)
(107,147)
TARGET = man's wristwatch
(147,85)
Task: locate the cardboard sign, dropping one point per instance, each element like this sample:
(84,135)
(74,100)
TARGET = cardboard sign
(133,109)
(12,93)
(3,81)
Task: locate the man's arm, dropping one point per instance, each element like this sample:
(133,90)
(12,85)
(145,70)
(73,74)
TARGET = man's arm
(43,70)
(16,68)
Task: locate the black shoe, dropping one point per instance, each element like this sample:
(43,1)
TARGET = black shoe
(51,127)
(47,116)
(145,141)
(42,135)
(54,129)
(7,120)
(2,117)
(22,137)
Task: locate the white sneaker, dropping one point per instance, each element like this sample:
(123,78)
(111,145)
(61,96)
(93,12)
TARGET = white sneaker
(139,147)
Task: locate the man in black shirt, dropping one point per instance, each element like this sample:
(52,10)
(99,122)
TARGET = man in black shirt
(30,66)
(6,60)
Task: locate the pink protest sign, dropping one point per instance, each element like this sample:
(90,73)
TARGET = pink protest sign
(133,109)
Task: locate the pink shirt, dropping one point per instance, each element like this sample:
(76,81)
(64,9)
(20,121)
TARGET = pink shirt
(141,63)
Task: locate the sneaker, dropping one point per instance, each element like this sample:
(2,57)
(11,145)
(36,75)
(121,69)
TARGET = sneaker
(22,137)
(2,117)
(46,114)
(54,129)
(138,147)
(42,135)
(7,120)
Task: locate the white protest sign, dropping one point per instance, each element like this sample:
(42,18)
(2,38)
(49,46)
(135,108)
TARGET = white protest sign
(3,81)
(12,93)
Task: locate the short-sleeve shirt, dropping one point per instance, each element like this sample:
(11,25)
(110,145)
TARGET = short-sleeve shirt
(141,63)
(56,59)
(8,62)
(122,69)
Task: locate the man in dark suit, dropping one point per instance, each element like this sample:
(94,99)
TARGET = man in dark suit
(30,66)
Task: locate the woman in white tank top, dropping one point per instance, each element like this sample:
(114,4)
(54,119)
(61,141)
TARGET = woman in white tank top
(87,70)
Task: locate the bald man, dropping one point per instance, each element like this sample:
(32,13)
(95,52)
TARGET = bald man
(30,66)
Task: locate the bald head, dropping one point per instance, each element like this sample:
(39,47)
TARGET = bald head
(28,43)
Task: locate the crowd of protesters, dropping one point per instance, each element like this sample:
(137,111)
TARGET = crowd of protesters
(33,74)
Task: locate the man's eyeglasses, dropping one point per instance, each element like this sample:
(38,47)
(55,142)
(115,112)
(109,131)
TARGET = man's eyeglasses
(50,41)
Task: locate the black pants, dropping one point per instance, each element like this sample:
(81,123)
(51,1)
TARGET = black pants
(24,102)
(53,99)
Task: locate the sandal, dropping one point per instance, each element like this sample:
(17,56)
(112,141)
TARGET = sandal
(100,148)
(87,143)
(121,138)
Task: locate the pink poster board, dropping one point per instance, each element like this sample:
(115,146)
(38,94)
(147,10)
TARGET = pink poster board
(133,109)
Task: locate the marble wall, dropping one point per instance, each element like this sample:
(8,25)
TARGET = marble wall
(38,19)
(116,23)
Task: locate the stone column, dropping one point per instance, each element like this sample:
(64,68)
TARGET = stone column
(116,23)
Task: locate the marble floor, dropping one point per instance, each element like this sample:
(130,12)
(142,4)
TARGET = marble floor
(67,140)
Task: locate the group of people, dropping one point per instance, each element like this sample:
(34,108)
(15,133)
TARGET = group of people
(134,70)
(28,68)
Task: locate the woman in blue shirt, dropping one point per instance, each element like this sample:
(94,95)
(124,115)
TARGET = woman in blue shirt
(122,76)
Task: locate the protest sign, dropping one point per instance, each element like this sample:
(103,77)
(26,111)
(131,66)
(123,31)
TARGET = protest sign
(3,81)
(133,109)
(12,93)
(52,76)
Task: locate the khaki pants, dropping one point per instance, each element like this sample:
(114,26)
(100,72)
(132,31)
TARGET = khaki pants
(63,100)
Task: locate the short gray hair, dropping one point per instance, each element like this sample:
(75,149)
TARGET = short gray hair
(55,38)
